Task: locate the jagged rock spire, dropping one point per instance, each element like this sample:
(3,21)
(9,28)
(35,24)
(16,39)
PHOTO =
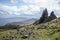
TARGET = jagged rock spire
(44,16)
(45,13)
(52,16)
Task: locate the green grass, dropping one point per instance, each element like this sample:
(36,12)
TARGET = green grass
(39,34)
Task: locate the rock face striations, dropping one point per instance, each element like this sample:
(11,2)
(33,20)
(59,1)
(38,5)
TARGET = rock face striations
(45,18)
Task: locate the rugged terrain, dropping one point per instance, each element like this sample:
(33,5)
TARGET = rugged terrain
(46,28)
(44,31)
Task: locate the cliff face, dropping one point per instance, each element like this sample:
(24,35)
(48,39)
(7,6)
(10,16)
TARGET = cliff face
(45,18)
(52,16)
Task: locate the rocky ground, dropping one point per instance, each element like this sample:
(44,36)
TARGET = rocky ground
(46,28)
(44,31)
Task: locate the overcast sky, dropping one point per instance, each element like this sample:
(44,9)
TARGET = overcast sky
(27,8)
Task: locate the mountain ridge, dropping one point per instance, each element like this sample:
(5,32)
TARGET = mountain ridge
(45,18)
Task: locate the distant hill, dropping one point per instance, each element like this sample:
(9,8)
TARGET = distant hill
(23,23)
(44,31)
(4,21)
(46,28)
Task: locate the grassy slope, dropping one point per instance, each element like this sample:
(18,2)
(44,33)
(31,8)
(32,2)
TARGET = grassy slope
(48,33)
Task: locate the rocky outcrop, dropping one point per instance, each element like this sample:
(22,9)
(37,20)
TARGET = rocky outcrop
(45,18)
(52,16)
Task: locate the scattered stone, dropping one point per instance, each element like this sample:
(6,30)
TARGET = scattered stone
(31,36)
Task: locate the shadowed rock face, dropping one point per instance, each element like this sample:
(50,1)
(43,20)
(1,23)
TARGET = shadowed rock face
(52,16)
(45,13)
(45,18)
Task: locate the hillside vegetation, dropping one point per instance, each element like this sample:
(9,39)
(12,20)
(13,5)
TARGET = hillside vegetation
(44,31)
(46,28)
